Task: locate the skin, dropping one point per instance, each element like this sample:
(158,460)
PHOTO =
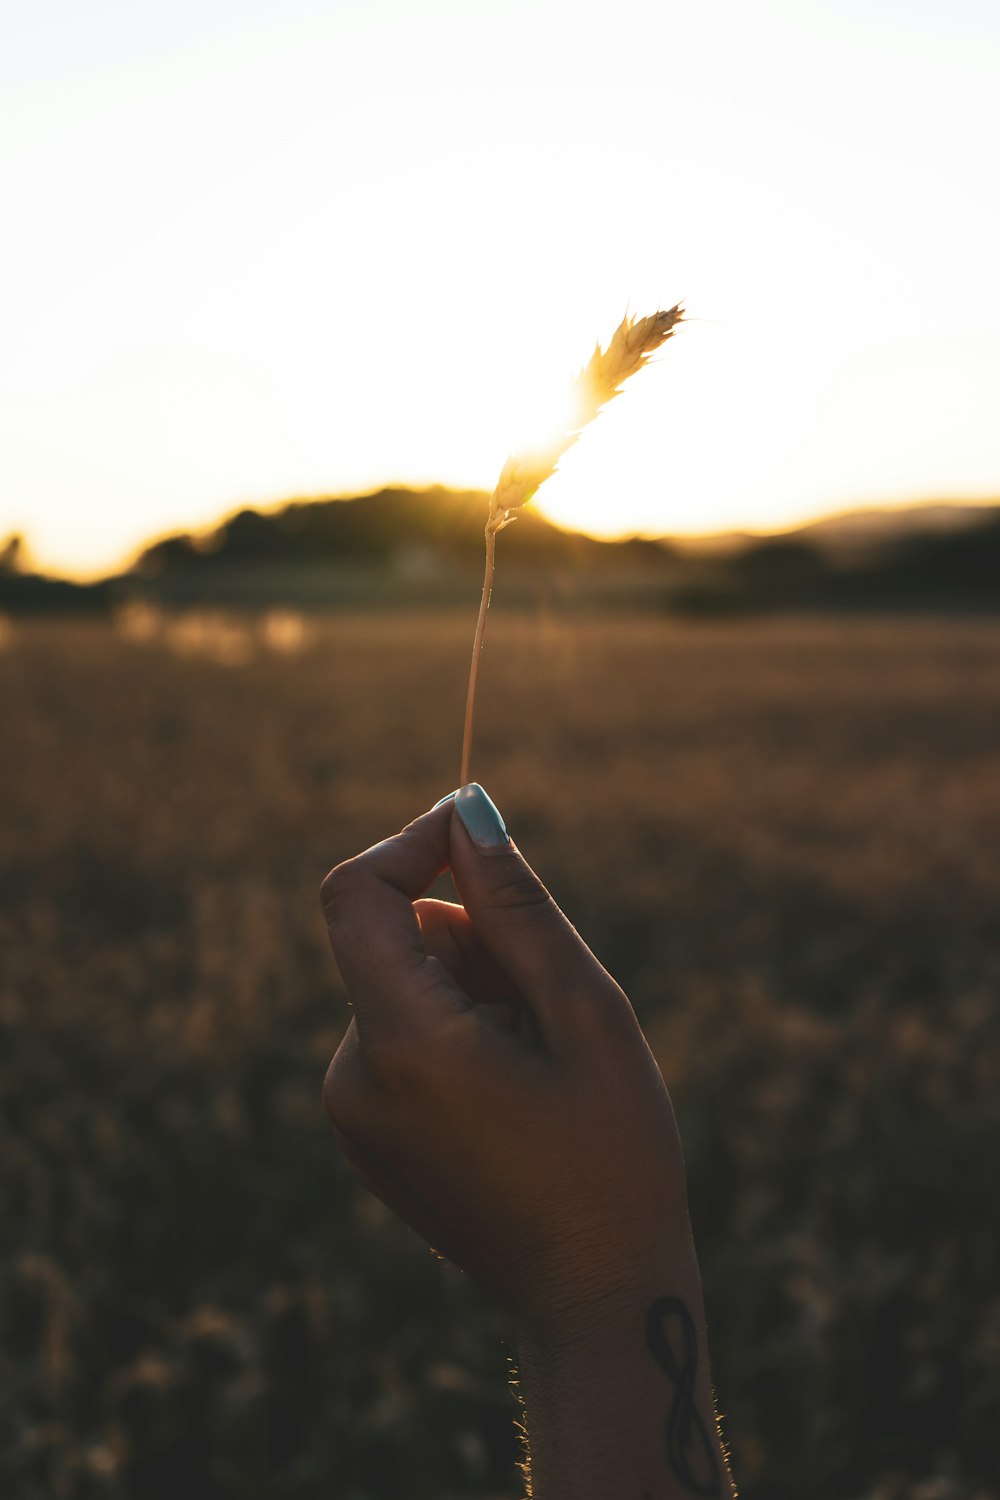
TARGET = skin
(495,1089)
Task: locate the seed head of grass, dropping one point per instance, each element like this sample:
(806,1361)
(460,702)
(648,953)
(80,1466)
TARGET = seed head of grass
(632,343)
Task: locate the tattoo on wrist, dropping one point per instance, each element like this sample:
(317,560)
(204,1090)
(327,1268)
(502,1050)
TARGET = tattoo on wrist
(673,1343)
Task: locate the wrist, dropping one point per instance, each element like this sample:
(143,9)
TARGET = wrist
(584,1303)
(619,1399)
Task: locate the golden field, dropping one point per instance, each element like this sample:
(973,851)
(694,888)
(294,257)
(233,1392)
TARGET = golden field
(781,836)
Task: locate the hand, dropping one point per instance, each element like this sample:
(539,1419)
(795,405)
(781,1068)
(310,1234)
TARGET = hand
(494,1087)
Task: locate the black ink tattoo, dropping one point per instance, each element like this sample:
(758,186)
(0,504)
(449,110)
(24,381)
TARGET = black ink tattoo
(690,1449)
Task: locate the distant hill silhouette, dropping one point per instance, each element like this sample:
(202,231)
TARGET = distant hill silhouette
(945,567)
(400,546)
(869,529)
(388,527)
(395,546)
(852,535)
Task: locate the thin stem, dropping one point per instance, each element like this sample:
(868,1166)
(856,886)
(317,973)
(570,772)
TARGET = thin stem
(477,651)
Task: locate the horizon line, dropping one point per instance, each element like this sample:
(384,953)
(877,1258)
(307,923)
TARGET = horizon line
(86,575)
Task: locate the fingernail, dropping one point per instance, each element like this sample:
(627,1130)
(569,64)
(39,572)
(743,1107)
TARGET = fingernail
(442,800)
(481,820)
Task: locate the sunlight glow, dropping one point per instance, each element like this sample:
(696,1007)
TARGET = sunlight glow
(278,251)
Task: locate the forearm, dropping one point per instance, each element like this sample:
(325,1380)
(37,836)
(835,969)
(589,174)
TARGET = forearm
(495,1087)
(622,1408)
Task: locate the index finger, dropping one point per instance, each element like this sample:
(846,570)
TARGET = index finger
(374,932)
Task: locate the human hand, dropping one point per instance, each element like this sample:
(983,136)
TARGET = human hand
(494,1087)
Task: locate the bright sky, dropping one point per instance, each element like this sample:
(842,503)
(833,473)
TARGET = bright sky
(263,248)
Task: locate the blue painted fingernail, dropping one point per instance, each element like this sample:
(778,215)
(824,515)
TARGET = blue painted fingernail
(481,820)
(442,800)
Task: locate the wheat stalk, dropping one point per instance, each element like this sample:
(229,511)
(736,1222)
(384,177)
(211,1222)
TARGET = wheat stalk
(632,343)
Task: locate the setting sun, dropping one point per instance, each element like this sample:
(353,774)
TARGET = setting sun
(298,251)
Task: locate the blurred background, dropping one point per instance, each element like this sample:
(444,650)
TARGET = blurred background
(280,288)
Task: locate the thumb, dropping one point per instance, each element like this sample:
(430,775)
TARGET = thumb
(523,929)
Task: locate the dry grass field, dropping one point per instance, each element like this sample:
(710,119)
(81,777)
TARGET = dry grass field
(782,837)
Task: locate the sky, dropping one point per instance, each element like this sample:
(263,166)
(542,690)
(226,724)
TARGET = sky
(256,249)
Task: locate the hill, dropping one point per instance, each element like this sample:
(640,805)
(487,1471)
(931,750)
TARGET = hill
(402,547)
(405,544)
(396,545)
(852,535)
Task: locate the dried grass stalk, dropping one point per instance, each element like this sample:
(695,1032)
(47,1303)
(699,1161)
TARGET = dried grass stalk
(634,340)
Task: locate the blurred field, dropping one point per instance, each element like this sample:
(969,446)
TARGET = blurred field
(782,838)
